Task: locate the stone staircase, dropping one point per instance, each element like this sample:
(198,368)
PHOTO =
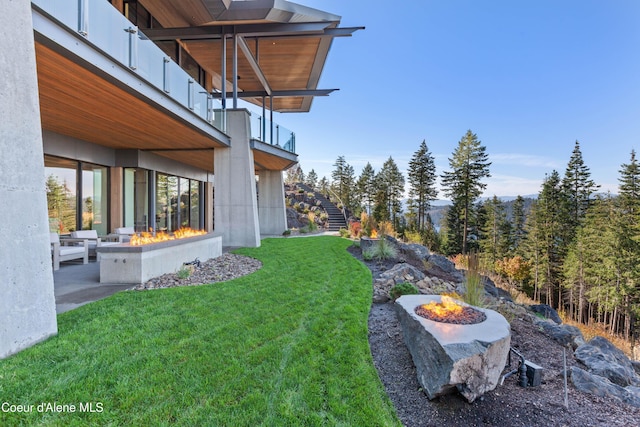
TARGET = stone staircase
(336,218)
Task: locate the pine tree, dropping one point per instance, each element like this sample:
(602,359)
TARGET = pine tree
(343,180)
(519,218)
(551,226)
(495,239)
(463,184)
(422,180)
(366,186)
(578,188)
(628,232)
(390,185)
(312,179)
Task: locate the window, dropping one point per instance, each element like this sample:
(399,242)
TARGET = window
(77,195)
(177,203)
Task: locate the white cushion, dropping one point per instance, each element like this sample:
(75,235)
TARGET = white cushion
(125,230)
(68,250)
(84,234)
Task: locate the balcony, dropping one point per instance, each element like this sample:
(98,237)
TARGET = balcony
(272,133)
(109,31)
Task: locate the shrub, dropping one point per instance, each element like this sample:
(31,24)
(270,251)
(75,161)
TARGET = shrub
(367,254)
(355,229)
(286,232)
(474,294)
(185,271)
(413,237)
(344,233)
(403,288)
(385,250)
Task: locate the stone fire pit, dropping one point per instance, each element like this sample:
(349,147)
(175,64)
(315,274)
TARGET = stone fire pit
(124,263)
(449,357)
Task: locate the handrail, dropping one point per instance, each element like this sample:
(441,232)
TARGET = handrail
(344,214)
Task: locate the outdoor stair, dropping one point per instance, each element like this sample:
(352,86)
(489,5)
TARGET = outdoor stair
(336,217)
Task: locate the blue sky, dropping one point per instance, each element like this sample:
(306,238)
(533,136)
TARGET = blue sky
(529,77)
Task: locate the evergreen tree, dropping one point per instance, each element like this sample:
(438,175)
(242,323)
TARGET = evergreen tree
(549,229)
(422,181)
(495,238)
(323,186)
(519,219)
(578,189)
(463,184)
(390,185)
(366,186)
(312,179)
(628,232)
(343,180)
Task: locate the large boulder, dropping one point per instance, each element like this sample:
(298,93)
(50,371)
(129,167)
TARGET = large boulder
(567,335)
(442,267)
(491,289)
(597,385)
(546,311)
(449,357)
(402,272)
(606,360)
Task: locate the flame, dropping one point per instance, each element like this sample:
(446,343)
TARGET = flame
(146,238)
(444,308)
(374,234)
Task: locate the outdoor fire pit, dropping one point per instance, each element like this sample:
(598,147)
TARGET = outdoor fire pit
(454,346)
(145,258)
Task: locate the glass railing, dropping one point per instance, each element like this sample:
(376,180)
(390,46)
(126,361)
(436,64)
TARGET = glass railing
(116,36)
(272,133)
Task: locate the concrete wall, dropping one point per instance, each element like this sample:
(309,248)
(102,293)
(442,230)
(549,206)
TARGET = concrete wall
(27,302)
(271,204)
(235,200)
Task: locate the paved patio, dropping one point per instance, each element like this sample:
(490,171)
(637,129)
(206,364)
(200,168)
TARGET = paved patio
(76,284)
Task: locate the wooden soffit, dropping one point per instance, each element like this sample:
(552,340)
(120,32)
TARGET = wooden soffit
(77,102)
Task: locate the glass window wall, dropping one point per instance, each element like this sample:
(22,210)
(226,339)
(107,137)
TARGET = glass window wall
(77,195)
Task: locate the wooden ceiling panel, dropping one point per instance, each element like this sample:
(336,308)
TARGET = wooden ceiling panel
(268,161)
(76,102)
(184,13)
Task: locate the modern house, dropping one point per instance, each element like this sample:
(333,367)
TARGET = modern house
(130,114)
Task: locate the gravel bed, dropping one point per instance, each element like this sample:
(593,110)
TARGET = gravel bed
(225,267)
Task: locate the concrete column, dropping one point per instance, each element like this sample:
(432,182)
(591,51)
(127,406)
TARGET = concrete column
(27,305)
(208,211)
(271,205)
(235,201)
(116,200)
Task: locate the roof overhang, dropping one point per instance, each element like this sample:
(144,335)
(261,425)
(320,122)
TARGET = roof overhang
(281,47)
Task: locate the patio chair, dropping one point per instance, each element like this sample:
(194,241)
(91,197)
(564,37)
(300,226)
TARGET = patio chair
(61,252)
(91,236)
(123,234)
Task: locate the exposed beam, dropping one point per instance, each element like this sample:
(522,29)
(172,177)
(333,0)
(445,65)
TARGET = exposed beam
(254,65)
(247,30)
(279,93)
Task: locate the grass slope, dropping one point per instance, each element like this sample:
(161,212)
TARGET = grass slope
(286,345)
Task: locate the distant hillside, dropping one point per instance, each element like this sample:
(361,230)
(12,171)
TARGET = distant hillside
(439,207)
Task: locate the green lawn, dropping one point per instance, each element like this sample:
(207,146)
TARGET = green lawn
(286,345)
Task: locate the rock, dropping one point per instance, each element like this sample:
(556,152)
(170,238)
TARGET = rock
(547,311)
(403,272)
(414,251)
(442,267)
(587,382)
(449,357)
(604,359)
(566,335)
(491,289)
